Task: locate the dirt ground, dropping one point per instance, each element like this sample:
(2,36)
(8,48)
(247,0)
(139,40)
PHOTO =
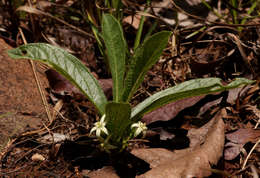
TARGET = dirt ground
(21,106)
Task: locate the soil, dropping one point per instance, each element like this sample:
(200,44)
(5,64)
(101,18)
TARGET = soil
(21,106)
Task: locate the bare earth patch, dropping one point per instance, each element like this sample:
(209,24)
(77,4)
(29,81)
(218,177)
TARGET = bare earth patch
(21,107)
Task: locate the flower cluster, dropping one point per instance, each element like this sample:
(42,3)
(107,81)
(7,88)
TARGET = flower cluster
(100,127)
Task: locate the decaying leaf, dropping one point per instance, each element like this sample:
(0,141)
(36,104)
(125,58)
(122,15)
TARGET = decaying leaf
(232,150)
(134,21)
(198,136)
(60,85)
(104,172)
(106,85)
(235,93)
(171,110)
(238,139)
(192,162)
(244,135)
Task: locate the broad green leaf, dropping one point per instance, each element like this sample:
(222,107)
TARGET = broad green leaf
(67,65)
(186,89)
(118,120)
(116,50)
(144,58)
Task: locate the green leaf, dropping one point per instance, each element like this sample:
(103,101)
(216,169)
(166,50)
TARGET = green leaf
(118,120)
(67,65)
(186,89)
(144,58)
(116,50)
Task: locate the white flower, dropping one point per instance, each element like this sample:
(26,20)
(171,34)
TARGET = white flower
(100,127)
(140,127)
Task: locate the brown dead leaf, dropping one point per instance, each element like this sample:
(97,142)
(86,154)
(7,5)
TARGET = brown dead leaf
(107,172)
(106,85)
(232,150)
(235,93)
(198,136)
(60,85)
(244,135)
(192,162)
(133,20)
(169,111)
(238,139)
